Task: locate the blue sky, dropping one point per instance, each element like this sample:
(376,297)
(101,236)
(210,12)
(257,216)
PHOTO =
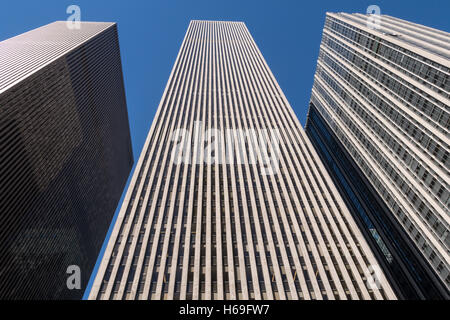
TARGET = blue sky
(150,33)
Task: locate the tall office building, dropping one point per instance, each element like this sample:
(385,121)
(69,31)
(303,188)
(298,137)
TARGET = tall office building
(379,118)
(65,155)
(264,221)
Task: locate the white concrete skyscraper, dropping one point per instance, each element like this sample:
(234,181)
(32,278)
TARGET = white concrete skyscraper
(262,222)
(379,117)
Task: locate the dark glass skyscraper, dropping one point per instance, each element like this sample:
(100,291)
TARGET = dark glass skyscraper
(65,155)
(379,118)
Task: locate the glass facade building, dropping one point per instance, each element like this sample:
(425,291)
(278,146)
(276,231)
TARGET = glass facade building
(215,226)
(65,155)
(379,118)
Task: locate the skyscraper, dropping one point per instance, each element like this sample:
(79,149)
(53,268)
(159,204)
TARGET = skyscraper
(229,199)
(65,155)
(379,118)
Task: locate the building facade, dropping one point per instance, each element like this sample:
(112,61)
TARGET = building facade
(201,221)
(379,118)
(65,154)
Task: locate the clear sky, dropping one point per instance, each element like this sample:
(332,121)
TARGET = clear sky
(150,33)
